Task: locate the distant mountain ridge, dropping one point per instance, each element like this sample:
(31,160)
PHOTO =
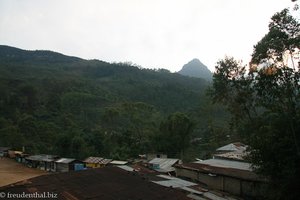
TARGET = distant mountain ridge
(72,107)
(115,81)
(195,68)
(8,53)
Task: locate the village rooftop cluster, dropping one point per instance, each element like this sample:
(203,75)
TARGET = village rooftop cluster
(225,175)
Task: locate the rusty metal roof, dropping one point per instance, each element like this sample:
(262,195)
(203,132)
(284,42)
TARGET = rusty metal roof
(239,171)
(93,160)
(106,183)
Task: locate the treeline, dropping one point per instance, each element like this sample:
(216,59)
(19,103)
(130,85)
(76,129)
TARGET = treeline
(52,103)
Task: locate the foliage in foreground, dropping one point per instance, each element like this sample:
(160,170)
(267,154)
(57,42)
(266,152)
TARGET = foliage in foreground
(264,101)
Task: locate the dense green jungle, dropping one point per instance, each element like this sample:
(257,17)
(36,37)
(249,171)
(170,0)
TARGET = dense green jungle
(57,104)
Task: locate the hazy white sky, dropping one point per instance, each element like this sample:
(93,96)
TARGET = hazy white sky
(151,33)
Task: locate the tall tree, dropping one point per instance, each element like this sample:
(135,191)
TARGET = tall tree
(264,101)
(175,134)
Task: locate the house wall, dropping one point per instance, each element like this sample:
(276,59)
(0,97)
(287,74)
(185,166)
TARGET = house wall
(93,165)
(253,188)
(11,154)
(78,166)
(62,167)
(193,175)
(231,185)
(215,182)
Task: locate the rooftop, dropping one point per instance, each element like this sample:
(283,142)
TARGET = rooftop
(42,157)
(229,168)
(226,164)
(93,160)
(102,183)
(237,146)
(118,162)
(165,164)
(65,160)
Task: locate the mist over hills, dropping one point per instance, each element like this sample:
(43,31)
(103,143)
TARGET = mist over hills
(195,68)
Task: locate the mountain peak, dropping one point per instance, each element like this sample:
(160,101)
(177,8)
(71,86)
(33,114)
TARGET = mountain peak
(195,68)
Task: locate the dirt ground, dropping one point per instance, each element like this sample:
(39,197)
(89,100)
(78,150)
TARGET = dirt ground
(12,171)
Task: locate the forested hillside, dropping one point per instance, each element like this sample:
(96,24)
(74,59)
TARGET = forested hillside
(52,103)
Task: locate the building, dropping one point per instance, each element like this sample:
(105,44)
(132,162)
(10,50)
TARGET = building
(20,157)
(96,162)
(13,153)
(4,151)
(41,161)
(118,162)
(68,164)
(234,151)
(232,147)
(234,177)
(105,162)
(163,165)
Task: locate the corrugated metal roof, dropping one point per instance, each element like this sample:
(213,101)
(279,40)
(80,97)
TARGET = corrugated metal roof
(165,170)
(165,164)
(93,160)
(118,162)
(105,161)
(42,157)
(127,168)
(195,197)
(192,190)
(104,183)
(177,183)
(221,170)
(65,160)
(212,196)
(226,164)
(233,147)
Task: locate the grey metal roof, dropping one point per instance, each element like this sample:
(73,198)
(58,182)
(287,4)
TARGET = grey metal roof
(42,157)
(233,147)
(126,168)
(65,160)
(212,196)
(118,162)
(174,182)
(165,164)
(177,183)
(227,164)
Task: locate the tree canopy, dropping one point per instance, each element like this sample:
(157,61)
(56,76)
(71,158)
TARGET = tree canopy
(52,103)
(264,101)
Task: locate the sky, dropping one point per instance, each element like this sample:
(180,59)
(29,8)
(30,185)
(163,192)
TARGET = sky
(149,33)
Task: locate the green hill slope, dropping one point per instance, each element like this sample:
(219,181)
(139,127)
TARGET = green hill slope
(53,103)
